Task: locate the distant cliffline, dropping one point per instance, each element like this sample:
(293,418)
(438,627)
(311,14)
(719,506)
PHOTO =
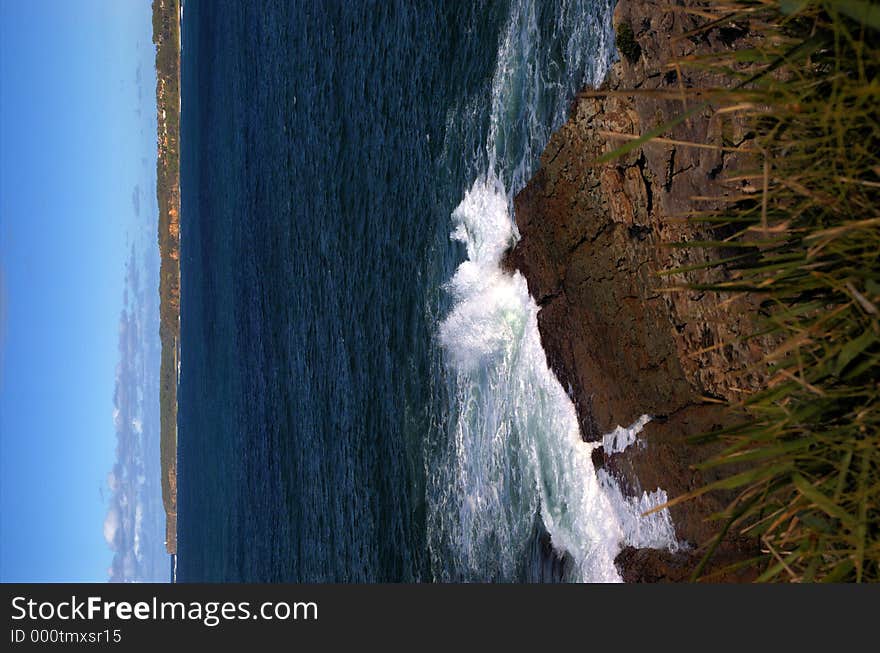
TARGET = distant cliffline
(166,37)
(593,242)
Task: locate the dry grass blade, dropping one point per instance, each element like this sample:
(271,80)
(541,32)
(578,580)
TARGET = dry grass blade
(802,236)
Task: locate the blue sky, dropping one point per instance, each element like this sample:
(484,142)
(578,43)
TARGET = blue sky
(73,145)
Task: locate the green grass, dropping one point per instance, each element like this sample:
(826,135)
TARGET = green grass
(806,243)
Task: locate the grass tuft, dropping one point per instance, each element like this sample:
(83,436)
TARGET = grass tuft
(807,454)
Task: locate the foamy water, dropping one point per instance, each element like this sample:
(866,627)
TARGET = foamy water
(514,448)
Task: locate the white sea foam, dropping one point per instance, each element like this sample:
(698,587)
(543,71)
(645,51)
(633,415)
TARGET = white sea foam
(515,447)
(621,437)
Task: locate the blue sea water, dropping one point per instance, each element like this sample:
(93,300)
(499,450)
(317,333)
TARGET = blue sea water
(363,397)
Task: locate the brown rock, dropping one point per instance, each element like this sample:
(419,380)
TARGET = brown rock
(655,566)
(595,250)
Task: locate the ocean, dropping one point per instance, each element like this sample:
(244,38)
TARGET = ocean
(363,396)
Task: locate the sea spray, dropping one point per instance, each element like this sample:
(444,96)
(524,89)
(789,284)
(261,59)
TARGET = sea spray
(515,448)
(620,438)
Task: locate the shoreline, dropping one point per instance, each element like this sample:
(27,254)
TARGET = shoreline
(167,38)
(594,244)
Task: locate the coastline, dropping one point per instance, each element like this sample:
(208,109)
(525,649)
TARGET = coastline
(166,37)
(596,252)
